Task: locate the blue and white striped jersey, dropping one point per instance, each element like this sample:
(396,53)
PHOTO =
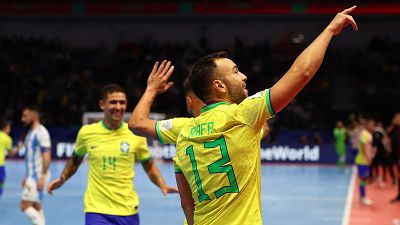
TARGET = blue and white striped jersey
(36,141)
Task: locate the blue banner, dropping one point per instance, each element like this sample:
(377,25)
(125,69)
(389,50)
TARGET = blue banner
(280,151)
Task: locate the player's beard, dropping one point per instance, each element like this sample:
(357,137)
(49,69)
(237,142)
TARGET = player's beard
(236,94)
(28,123)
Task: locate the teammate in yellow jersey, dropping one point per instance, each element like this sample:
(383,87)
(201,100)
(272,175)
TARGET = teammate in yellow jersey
(364,158)
(5,146)
(167,131)
(217,160)
(110,196)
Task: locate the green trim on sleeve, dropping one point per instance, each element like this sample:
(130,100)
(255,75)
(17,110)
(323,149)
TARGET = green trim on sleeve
(78,154)
(159,134)
(177,170)
(145,159)
(269,104)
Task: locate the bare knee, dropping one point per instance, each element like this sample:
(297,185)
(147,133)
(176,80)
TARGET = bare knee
(25,204)
(37,206)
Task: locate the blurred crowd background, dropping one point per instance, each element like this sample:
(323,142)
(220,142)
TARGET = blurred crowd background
(65,78)
(66,81)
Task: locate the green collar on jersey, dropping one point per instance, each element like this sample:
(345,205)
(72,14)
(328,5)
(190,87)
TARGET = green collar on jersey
(212,106)
(103,124)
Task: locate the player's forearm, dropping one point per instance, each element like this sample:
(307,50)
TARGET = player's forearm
(140,121)
(301,72)
(368,152)
(309,61)
(155,177)
(46,162)
(185,194)
(154,174)
(71,167)
(189,211)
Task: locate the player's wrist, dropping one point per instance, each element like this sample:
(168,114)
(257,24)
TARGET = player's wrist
(62,178)
(163,186)
(152,91)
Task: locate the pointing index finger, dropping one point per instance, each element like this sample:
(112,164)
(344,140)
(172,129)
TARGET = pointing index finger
(349,10)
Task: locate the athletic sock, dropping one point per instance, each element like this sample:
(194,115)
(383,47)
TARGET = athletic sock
(42,215)
(362,189)
(34,216)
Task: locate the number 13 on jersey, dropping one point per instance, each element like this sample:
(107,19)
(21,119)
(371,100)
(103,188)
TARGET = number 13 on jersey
(218,166)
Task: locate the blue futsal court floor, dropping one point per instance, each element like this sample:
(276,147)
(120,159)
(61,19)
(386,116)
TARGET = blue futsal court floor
(301,195)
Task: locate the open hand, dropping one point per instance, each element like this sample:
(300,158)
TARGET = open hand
(55,184)
(158,78)
(40,183)
(169,190)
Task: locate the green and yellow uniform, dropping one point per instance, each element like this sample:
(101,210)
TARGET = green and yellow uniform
(5,145)
(365,137)
(219,154)
(340,140)
(112,155)
(168,130)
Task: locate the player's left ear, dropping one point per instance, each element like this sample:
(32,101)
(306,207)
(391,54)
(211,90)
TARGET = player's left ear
(219,86)
(101,104)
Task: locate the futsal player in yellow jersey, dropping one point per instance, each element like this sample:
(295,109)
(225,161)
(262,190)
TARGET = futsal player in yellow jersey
(213,156)
(5,146)
(214,160)
(167,131)
(110,196)
(364,158)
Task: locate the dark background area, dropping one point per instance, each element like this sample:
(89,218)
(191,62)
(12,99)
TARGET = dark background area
(61,61)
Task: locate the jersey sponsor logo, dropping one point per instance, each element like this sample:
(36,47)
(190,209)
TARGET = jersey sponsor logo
(124,147)
(256,95)
(166,124)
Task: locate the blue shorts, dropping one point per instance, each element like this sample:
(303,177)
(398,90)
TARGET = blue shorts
(363,171)
(2,174)
(104,219)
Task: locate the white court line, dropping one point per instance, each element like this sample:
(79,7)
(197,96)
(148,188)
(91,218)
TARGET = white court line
(349,199)
(296,198)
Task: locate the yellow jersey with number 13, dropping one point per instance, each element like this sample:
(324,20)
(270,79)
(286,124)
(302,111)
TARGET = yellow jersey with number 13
(219,154)
(112,155)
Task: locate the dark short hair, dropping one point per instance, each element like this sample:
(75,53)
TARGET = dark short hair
(202,74)
(109,89)
(186,86)
(35,108)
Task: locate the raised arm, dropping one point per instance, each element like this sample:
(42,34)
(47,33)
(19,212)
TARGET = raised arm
(308,62)
(70,168)
(155,176)
(140,122)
